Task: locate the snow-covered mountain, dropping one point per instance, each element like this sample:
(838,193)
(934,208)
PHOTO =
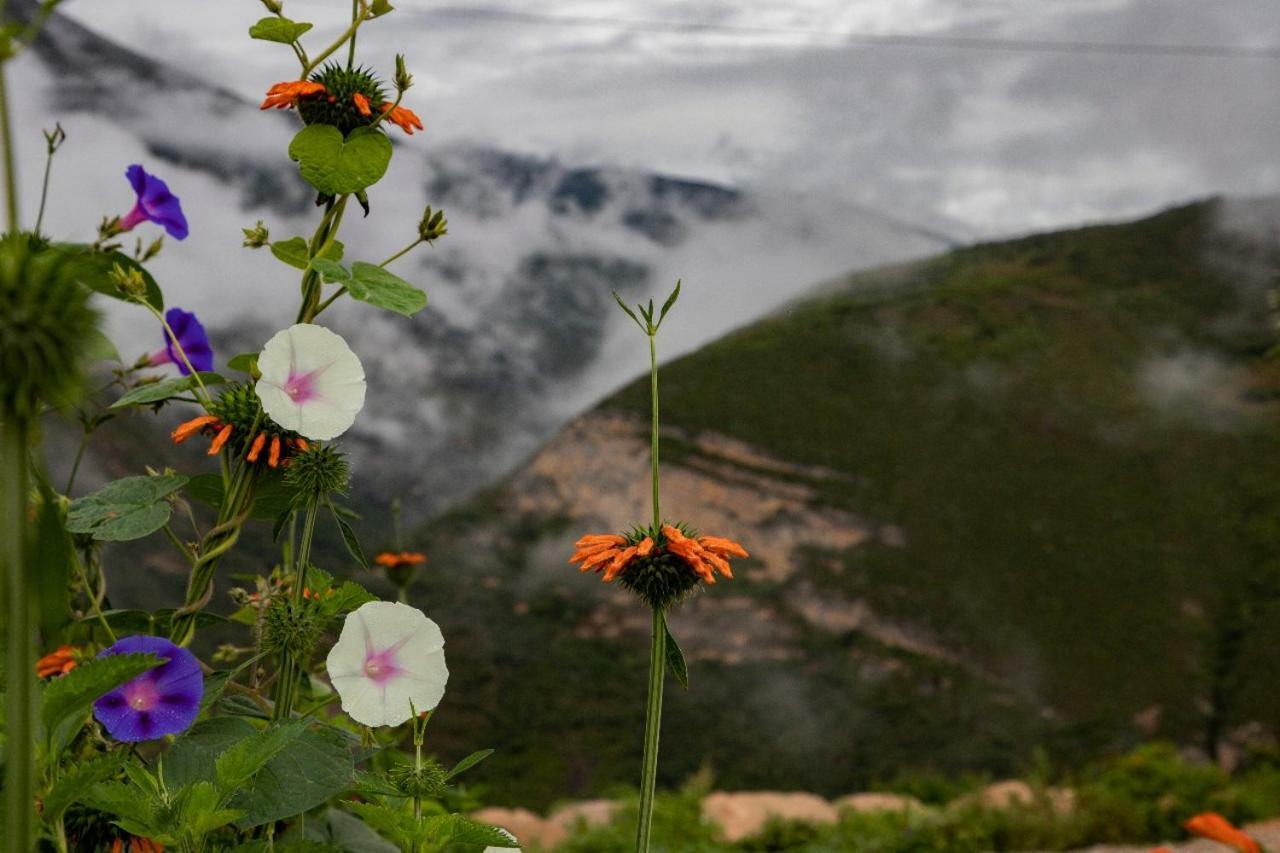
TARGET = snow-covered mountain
(521,332)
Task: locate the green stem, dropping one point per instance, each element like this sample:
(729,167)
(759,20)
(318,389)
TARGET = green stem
(338,43)
(653,441)
(652,727)
(44,188)
(84,444)
(94,600)
(351,47)
(326,233)
(19,765)
(10,171)
(290,667)
(406,250)
(205,399)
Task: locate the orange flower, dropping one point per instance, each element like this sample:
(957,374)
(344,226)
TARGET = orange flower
(392,560)
(285,95)
(223,433)
(58,662)
(406,118)
(362,104)
(612,554)
(308,594)
(1215,827)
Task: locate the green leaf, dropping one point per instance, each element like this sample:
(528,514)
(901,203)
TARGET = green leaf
(345,832)
(271,497)
(337,166)
(630,313)
(193,757)
(281,30)
(77,781)
(398,826)
(308,771)
(383,289)
(349,539)
(197,810)
(331,271)
(99,347)
(671,300)
(245,362)
(456,829)
(155,392)
(97,275)
(135,810)
(467,763)
(379,8)
(49,564)
(238,764)
(675,658)
(67,700)
(297,253)
(215,683)
(126,509)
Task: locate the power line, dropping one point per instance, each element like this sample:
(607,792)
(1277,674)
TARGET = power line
(850,38)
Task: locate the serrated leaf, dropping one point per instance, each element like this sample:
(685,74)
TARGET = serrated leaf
(271,497)
(675,658)
(245,362)
(280,30)
(308,771)
(297,253)
(126,509)
(346,833)
(238,764)
(155,392)
(67,700)
(215,683)
(77,780)
(456,829)
(338,166)
(467,763)
(133,808)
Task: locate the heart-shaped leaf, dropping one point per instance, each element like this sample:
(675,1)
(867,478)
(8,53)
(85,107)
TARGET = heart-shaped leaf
(296,253)
(374,285)
(337,166)
(126,509)
(282,30)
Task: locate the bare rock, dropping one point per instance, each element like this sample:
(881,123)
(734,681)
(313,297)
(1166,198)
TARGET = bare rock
(587,812)
(526,826)
(741,815)
(878,802)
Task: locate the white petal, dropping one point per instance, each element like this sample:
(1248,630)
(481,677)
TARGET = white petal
(348,655)
(339,383)
(392,623)
(419,685)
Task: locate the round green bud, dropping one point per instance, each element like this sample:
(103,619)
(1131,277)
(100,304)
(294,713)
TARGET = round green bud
(318,472)
(292,628)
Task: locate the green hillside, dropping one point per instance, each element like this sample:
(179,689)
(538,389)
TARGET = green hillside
(1074,436)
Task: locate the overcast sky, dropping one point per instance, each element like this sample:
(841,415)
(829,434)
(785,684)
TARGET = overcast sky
(1002,141)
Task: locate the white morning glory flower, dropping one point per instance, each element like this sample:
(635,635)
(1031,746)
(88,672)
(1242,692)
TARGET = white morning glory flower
(312,383)
(388,662)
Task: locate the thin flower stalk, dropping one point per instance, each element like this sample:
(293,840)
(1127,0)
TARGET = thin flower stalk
(19,766)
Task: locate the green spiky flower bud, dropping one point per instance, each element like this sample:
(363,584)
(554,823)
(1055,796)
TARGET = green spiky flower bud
(403,79)
(291,628)
(257,236)
(46,324)
(427,782)
(433,225)
(318,472)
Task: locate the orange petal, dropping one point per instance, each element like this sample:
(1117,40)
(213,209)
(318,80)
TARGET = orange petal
(220,439)
(723,546)
(406,118)
(600,538)
(619,563)
(672,534)
(412,558)
(256,447)
(191,427)
(301,444)
(387,559)
(582,553)
(598,560)
(645,547)
(1217,828)
(273,457)
(362,104)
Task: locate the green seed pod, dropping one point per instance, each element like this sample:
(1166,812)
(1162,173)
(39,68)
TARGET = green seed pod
(318,472)
(46,324)
(338,106)
(292,628)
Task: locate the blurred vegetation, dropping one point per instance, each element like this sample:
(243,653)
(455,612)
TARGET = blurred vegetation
(1141,797)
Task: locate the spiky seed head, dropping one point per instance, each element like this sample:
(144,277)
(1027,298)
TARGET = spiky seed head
(661,579)
(46,324)
(338,107)
(291,627)
(318,472)
(428,782)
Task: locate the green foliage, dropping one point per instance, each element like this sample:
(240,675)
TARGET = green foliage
(296,253)
(280,30)
(67,700)
(130,508)
(100,280)
(675,658)
(374,285)
(166,389)
(337,166)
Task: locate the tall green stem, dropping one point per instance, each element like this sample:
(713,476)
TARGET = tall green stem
(10,171)
(657,640)
(19,801)
(290,667)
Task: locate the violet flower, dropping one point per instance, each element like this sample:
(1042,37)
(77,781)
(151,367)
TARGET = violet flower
(155,204)
(161,701)
(191,337)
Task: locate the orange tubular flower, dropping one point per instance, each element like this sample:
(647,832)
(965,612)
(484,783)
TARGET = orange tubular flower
(406,118)
(285,95)
(223,433)
(1217,828)
(613,555)
(392,560)
(58,662)
(191,427)
(362,104)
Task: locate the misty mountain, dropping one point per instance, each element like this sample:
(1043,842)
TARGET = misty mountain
(521,332)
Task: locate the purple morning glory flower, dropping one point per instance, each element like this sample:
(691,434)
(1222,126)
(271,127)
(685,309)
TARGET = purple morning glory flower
(162,701)
(155,204)
(191,337)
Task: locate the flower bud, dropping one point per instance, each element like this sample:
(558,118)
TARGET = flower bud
(403,79)
(257,236)
(275,7)
(433,225)
(151,251)
(129,282)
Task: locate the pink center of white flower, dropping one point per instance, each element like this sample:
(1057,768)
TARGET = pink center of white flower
(381,666)
(141,695)
(301,387)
